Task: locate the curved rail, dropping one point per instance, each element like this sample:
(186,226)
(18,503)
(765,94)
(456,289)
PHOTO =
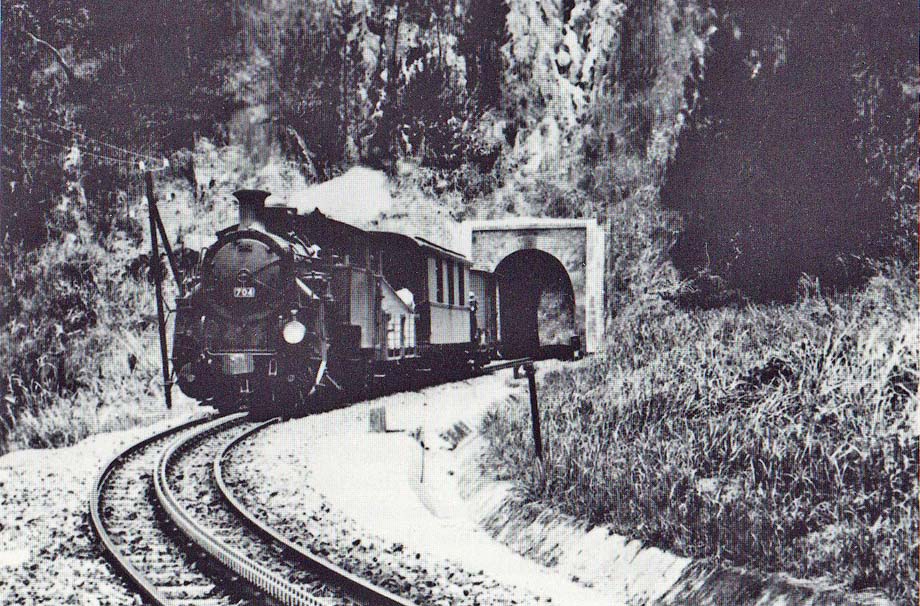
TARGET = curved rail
(354,585)
(116,556)
(239,563)
(261,578)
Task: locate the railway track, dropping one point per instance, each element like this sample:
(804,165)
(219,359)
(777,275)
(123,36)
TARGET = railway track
(124,516)
(163,502)
(363,591)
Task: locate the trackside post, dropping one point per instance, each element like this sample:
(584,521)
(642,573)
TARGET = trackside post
(534,410)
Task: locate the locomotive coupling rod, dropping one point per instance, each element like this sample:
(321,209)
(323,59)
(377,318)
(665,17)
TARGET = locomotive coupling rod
(158,281)
(534,410)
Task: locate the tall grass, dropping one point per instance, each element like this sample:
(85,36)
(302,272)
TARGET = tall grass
(778,437)
(76,347)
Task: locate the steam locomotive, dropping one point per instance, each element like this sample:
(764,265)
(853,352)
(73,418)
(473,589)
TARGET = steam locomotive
(291,308)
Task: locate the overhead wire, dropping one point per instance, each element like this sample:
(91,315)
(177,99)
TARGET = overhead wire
(142,162)
(133,184)
(67,147)
(134,163)
(87,137)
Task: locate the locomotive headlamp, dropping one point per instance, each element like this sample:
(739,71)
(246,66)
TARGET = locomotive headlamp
(294,332)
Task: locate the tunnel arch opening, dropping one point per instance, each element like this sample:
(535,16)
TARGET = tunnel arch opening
(537,305)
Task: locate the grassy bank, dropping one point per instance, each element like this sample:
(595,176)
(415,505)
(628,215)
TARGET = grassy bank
(777,437)
(77,354)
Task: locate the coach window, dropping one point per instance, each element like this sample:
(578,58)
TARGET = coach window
(440,276)
(450,282)
(461,284)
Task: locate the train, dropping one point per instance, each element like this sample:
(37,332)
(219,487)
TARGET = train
(289,309)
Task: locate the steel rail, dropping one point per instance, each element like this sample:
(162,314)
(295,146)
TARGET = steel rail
(257,575)
(112,552)
(353,584)
(254,573)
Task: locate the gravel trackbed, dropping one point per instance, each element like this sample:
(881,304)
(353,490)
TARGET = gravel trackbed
(48,554)
(353,496)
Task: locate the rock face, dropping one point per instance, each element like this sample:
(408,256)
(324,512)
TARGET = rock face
(500,101)
(555,66)
(594,90)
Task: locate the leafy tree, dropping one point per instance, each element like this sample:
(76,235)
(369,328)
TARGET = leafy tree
(480,43)
(339,107)
(144,75)
(437,118)
(162,66)
(637,68)
(322,74)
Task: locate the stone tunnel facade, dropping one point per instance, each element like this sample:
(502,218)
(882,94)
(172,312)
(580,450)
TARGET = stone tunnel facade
(577,244)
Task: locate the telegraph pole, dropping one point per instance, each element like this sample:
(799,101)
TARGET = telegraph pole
(158,281)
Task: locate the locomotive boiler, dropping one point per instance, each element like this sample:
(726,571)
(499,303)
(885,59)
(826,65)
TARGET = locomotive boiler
(254,324)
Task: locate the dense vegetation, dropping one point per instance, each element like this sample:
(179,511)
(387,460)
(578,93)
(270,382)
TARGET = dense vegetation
(100,79)
(779,437)
(776,436)
(90,89)
(377,83)
(800,153)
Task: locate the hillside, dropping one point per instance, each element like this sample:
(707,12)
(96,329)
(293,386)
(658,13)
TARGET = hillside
(756,167)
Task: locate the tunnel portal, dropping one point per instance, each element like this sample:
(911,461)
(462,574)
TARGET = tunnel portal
(548,264)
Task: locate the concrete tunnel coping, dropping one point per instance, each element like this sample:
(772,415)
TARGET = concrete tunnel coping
(580,247)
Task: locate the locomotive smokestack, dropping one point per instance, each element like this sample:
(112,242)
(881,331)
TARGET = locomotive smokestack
(252,201)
